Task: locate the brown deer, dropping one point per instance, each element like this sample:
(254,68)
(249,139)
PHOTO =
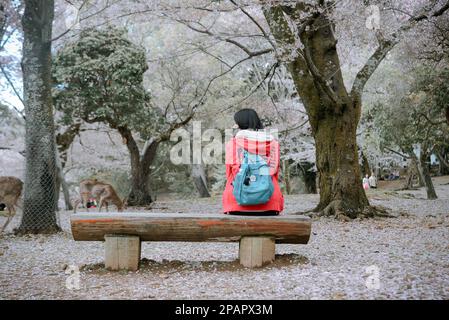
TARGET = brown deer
(105,194)
(86,186)
(10,191)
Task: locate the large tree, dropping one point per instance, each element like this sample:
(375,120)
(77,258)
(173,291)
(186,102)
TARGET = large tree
(99,78)
(305,33)
(40,194)
(303,37)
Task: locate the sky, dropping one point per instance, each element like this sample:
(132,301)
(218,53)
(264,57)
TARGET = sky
(7,95)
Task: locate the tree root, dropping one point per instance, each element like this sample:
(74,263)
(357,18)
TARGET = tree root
(343,212)
(379,212)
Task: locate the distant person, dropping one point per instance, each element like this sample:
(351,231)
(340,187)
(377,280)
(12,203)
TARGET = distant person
(252,169)
(365,182)
(372,181)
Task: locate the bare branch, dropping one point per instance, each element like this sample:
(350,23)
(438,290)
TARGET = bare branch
(106,6)
(397,152)
(255,22)
(302,124)
(229,40)
(386,46)
(16,92)
(173,126)
(371,65)
(433,123)
(272,70)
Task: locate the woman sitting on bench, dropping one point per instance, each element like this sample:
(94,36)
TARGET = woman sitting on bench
(252,169)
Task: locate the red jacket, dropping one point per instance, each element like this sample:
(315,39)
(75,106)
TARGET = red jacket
(255,142)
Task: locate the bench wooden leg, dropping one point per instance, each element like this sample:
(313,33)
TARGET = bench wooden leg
(122,252)
(256,251)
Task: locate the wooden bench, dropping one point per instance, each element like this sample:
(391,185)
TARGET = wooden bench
(123,233)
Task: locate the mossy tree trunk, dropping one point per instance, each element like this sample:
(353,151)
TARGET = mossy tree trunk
(139,194)
(40,194)
(340,184)
(334,113)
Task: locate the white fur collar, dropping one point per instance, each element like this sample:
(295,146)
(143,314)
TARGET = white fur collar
(263,135)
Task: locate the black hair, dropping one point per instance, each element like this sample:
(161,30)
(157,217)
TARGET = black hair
(248,119)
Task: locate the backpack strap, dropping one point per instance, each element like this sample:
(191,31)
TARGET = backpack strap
(242,155)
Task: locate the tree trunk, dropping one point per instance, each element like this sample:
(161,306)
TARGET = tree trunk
(410,175)
(412,170)
(409,180)
(416,167)
(66,193)
(200,181)
(63,142)
(333,113)
(424,170)
(3,25)
(341,190)
(309,177)
(365,165)
(140,168)
(62,184)
(65,139)
(444,164)
(40,194)
(140,193)
(447,115)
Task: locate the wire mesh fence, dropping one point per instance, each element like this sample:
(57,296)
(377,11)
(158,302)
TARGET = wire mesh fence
(36,197)
(40,199)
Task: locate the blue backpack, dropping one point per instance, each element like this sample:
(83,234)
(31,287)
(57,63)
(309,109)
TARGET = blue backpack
(253,184)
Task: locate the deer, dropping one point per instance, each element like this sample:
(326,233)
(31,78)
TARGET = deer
(10,192)
(103,192)
(86,186)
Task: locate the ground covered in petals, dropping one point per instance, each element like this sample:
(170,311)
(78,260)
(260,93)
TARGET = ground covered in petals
(405,257)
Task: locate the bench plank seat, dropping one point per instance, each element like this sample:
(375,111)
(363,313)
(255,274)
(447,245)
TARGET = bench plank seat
(189,227)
